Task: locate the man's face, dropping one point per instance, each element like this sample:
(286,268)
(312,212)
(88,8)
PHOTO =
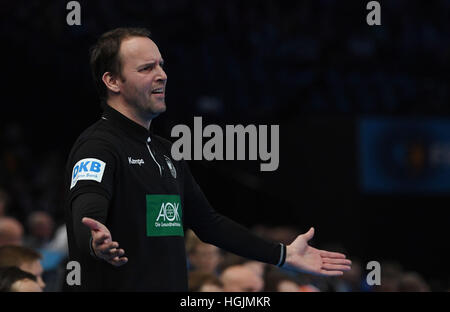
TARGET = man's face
(143,80)
(36,269)
(241,279)
(26,285)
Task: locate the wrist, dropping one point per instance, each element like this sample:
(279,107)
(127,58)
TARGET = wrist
(283,253)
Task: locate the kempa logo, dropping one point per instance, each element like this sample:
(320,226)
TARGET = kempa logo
(135,161)
(168,212)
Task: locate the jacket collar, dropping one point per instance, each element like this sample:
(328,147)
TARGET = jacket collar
(130,127)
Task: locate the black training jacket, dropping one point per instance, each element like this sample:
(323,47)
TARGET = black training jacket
(152,200)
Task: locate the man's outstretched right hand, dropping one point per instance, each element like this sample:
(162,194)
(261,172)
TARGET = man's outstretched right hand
(102,244)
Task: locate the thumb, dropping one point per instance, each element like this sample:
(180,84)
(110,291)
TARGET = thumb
(92,224)
(308,235)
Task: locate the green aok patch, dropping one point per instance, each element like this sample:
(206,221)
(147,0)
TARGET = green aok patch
(164,215)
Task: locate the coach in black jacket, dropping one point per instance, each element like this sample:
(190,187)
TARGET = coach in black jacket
(122,181)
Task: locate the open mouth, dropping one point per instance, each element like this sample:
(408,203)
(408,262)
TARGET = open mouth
(158,91)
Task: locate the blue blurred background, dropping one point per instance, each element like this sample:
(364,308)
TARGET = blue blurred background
(363,111)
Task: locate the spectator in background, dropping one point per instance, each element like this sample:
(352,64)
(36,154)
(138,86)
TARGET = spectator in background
(391,273)
(238,278)
(204,282)
(277,281)
(412,282)
(352,280)
(202,257)
(230,259)
(256,266)
(40,227)
(53,248)
(25,259)
(13,279)
(11,232)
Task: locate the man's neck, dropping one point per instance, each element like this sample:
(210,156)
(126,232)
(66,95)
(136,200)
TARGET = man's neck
(130,112)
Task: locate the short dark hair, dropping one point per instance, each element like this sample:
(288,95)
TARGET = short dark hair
(104,54)
(10,275)
(17,255)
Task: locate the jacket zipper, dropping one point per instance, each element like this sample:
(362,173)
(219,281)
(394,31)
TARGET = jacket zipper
(150,151)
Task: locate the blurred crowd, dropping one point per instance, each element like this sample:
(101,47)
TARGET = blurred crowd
(212,269)
(251,61)
(33,257)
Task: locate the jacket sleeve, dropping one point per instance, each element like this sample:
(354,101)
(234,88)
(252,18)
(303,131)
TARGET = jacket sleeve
(90,187)
(216,229)
(92,205)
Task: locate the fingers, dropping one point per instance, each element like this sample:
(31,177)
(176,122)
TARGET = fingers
(113,253)
(100,238)
(329,254)
(339,264)
(117,261)
(331,273)
(92,224)
(308,235)
(335,267)
(103,246)
(106,248)
(99,232)
(109,251)
(337,261)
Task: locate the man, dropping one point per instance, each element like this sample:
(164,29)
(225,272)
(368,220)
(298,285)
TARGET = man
(13,279)
(238,278)
(40,228)
(200,281)
(11,232)
(23,258)
(123,183)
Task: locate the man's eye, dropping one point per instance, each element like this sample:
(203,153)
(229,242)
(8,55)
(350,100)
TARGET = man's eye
(146,68)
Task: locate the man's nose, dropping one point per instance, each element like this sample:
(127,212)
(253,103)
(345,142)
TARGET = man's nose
(162,75)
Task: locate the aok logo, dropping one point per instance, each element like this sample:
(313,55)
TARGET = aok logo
(168,212)
(88,169)
(164,215)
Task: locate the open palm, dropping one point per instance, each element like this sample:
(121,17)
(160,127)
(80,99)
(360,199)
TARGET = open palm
(311,260)
(102,244)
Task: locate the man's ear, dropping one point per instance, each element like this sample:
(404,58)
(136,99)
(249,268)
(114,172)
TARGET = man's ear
(111,82)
